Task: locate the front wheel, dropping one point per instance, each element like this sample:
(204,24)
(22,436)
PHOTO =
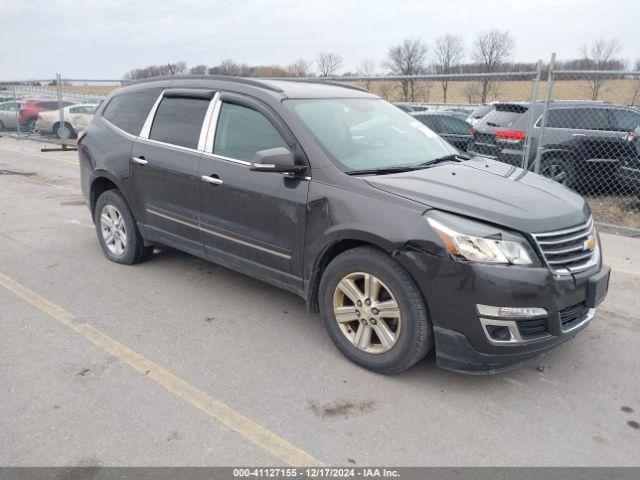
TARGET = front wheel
(117,231)
(374,312)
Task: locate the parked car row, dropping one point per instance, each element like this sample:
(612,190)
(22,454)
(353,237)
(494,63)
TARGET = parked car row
(584,142)
(587,145)
(43,115)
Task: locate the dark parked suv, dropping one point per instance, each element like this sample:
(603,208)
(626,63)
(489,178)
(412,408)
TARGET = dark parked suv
(583,141)
(401,243)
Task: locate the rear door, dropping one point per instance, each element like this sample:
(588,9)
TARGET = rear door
(164,163)
(8,115)
(252,221)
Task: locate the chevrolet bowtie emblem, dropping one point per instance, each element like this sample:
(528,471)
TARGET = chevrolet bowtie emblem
(590,243)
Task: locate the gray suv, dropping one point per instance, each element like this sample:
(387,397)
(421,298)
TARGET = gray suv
(582,140)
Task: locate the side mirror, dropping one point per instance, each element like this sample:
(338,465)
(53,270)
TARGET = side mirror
(275,160)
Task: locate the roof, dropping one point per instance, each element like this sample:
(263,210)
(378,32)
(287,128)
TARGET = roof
(287,88)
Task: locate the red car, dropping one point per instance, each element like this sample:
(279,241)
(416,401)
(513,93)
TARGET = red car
(28,114)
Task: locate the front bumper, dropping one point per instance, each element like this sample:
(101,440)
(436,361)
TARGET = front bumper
(454,289)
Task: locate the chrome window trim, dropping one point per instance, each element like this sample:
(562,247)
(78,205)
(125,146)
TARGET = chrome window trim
(169,145)
(118,129)
(228,159)
(206,124)
(213,124)
(146,126)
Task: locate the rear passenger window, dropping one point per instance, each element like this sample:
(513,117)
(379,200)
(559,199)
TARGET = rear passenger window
(562,118)
(624,120)
(241,132)
(178,121)
(128,111)
(592,119)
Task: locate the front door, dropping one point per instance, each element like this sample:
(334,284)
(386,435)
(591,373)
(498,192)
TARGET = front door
(164,171)
(251,221)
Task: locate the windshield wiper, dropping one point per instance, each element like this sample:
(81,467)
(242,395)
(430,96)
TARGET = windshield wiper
(384,170)
(454,157)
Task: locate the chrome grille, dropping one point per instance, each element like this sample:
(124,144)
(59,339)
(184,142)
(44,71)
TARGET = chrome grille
(570,250)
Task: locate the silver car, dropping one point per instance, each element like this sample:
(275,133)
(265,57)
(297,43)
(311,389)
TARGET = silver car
(9,115)
(76,118)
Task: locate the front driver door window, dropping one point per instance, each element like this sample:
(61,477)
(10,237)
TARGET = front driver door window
(253,219)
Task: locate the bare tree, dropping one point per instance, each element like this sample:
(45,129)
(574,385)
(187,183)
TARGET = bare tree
(367,68)
(300,68)
(471,92)
(600,55)
(448,52)
(198,70)
(328,63)
(386,89)
(177,68)
(490,50)
(408,58)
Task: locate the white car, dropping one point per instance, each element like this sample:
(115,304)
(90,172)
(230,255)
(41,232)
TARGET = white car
(9,114)
(76,118)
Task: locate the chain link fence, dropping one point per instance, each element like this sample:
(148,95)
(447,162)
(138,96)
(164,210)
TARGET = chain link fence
(51,110)
(579,128)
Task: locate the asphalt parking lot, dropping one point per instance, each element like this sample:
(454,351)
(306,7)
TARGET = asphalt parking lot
(180,362)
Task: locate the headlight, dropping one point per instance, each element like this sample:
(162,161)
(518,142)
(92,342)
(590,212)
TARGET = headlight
(480,242)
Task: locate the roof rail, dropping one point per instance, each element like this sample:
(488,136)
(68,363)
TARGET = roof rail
(320,81)
(221,78)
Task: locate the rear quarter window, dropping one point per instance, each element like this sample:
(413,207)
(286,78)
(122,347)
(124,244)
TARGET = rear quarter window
(501,118)
(128,111)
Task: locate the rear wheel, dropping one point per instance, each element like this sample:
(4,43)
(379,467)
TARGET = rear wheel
(117,231)
(66,131)
(558,170)
(374,312)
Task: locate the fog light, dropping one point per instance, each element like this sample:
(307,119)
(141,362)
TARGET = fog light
(501,334)
(511,312)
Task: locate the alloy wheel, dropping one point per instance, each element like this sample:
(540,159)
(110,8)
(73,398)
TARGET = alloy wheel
(367,312)
(113,230)
(556,172)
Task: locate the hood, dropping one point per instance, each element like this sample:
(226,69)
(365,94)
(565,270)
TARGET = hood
(491,191)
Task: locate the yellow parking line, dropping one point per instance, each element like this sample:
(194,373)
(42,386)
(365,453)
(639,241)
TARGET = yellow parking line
(263,438)
(34,154)
(626,271)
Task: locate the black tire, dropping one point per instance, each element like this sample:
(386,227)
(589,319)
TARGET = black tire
(58,132)
(558,170)
(415,338)
(135,251)
(31,125)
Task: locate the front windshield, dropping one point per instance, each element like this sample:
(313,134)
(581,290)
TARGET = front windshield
(366,133)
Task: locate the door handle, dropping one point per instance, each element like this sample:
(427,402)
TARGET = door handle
(139,160)
(213,180)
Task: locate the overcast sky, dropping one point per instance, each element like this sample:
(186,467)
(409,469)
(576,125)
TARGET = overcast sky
(105,39)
